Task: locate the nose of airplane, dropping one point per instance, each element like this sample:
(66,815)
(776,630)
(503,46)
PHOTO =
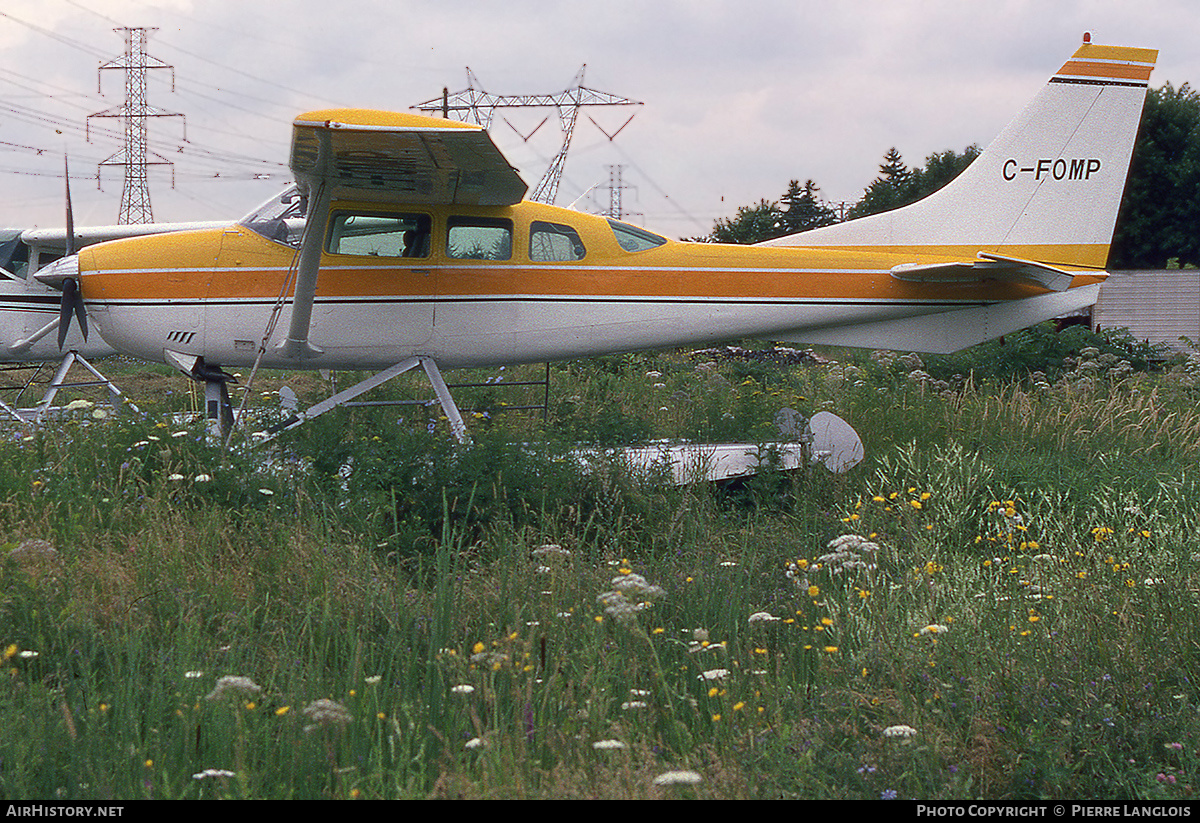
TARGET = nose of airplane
(64,268)
(64,274)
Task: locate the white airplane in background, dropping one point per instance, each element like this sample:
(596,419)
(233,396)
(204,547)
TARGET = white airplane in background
(418,249)
(28,306)
(31,310)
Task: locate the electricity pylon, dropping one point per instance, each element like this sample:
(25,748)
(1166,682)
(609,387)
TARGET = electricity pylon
(134,155)
(478,106)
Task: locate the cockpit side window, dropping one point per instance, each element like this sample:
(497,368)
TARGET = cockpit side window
(379,234)
(479,238)
(554,242)
(632,238)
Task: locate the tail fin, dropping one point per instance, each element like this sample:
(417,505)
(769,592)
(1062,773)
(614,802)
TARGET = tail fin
(1047,189)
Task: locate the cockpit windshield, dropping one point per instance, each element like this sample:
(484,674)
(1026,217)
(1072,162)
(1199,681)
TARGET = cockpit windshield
(281,218)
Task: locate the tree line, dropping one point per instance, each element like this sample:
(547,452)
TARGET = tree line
(1158,224)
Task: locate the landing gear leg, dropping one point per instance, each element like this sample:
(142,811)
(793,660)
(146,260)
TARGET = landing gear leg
(218,410)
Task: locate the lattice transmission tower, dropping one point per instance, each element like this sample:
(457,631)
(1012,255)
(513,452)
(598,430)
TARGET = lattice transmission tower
(616,186)
(478,106)
(134,112)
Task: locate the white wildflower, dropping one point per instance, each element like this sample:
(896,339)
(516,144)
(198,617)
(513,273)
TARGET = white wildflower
(763,617)
(237,687)
(678,778)
(203,478)
(463,689)
(631,594)
(935,628)
(634,585)
(213,773)
(903,732)
(550,549)
(175,477)
(373,680)
(475,743)
(714,674)
(633,704)
(327,712)
(603,745)
(619,607)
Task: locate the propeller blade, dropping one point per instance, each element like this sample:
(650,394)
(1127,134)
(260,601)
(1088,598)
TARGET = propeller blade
(81,313)
(71,304)
(70,212)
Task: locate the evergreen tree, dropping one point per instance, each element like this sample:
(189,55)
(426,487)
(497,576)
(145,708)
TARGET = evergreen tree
(751,224)
(888,190)
(898,186)
(802,208)
(940,168)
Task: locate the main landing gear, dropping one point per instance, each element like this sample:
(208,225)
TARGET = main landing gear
(449,408)
(219,410)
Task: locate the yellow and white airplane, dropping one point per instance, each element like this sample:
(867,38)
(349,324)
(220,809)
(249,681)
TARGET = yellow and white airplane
(408,242)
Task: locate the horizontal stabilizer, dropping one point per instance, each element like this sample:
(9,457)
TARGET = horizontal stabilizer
(954,330)
(988,267)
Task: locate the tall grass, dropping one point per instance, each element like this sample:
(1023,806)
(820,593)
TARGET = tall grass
(1013,615)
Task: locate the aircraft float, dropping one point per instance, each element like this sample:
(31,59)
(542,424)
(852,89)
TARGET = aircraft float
(407,242)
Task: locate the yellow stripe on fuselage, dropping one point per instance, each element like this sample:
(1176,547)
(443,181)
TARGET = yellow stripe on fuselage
(237,264)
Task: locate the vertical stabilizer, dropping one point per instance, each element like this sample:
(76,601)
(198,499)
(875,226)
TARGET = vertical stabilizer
(1047,189)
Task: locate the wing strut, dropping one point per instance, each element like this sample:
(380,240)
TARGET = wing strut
(296,345)
(449,407)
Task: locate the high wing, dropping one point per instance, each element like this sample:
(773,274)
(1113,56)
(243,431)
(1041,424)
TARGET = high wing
(389,157)
(402,158)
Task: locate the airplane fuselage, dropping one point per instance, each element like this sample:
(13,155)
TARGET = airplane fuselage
(471,286)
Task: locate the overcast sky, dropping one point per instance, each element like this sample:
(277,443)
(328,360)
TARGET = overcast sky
(739,97)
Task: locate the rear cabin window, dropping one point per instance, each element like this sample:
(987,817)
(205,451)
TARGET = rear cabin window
(632,238)
(379,235)
(479,238)
(554,242)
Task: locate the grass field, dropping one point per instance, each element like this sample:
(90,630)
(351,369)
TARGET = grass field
(1001,601)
